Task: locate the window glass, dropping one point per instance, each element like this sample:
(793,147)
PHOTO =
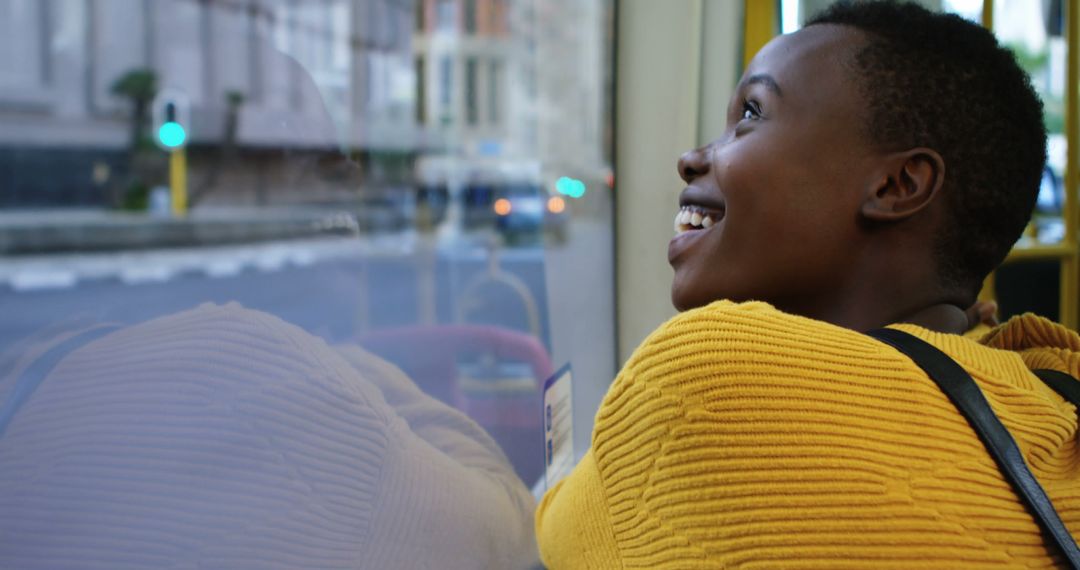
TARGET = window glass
(288,277)
(25,71)
(471,112)
(494,73)
(969,9)
(794,13)
(421,90)
(1035,33)
(470,16)
(446,11)
(446,80)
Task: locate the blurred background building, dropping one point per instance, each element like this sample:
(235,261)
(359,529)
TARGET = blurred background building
(353,91)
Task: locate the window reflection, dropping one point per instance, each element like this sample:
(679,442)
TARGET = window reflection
(376,181)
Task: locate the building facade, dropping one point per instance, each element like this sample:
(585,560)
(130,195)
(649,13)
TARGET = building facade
(332,76)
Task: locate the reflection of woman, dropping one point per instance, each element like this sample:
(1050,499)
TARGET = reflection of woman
(225,438)
(876,166)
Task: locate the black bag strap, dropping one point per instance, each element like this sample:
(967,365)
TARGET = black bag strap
(1065,385)
(958,385)
(34,374)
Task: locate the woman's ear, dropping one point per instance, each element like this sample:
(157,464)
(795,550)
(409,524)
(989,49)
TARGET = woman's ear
(908,182)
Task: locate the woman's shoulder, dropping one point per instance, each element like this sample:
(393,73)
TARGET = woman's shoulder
(727,331)
(757,317)
(719,354)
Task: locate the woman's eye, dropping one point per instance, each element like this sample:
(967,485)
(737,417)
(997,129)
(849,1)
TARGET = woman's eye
(750,111)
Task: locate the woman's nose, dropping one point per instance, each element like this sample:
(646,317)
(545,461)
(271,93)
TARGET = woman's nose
(693,163)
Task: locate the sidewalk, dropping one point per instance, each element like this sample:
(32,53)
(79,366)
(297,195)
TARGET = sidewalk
(61,249)
(35,232)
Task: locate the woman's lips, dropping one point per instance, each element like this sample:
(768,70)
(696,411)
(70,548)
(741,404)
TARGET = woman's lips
(698,214)
(685,239)
(697,198)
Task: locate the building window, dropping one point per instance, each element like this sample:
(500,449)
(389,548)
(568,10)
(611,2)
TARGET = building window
(446,80)
(472,113)
(494,75)
(390,16)
(495,10)
(421,91)
(23,25)
(445,15)
(470,16)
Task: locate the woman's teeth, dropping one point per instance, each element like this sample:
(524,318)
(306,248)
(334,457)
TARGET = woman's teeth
(691,218)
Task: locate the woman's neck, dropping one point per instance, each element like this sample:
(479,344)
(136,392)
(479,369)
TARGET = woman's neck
(875,293)
(942,317)
(866,304)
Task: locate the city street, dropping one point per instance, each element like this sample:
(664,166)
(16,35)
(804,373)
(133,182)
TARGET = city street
(335,288)
(342,289)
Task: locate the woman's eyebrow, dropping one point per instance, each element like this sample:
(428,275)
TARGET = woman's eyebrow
(766,80)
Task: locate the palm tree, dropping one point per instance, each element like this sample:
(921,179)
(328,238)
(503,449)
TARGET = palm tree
(141,86)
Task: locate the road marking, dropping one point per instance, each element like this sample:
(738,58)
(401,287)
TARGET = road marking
(139,275)
(46,279)
(140,267)
(221,268)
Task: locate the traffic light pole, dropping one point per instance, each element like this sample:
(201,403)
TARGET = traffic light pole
(178,181)
(172,117)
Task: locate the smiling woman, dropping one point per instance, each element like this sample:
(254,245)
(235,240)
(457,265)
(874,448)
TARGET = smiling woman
(762,428)
(792,164)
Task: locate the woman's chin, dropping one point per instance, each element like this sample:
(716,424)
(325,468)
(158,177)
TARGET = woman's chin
(684,300)
(684,296)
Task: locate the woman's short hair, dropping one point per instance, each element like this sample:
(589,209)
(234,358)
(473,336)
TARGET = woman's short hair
(938,81)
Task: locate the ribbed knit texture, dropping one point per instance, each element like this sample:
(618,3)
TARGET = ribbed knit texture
(738,436)
(225,438)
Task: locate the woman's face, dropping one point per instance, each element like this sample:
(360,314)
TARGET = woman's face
(782,187)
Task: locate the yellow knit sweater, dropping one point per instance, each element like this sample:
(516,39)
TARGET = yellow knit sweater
(738,436)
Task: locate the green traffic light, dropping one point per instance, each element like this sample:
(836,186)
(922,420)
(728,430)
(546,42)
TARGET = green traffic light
(570,187)
(579,189)
(172,135)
